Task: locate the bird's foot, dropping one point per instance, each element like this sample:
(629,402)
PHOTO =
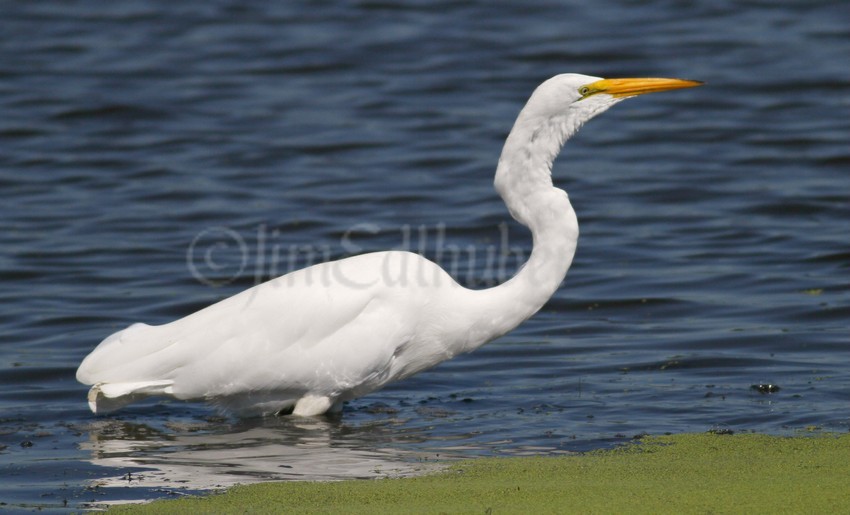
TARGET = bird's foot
(312,405)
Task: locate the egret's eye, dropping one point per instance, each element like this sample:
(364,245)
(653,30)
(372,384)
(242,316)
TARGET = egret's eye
(584,91)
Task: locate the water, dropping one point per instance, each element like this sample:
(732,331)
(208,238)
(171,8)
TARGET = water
(158,156)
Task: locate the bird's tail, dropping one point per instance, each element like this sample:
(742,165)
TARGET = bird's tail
(104,397)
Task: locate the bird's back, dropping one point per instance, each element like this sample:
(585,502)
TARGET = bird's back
(339,328)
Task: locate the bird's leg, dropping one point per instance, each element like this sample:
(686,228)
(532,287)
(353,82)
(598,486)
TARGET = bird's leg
(312,405)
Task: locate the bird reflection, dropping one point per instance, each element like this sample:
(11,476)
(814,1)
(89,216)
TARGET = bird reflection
(197,455)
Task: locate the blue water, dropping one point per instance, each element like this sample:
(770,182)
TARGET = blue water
(158,156)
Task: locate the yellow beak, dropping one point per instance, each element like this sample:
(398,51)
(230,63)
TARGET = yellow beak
(622,88)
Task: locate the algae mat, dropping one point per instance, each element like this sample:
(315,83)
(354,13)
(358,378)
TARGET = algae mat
(696,473)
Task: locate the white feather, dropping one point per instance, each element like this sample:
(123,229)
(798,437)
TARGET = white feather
(311,339)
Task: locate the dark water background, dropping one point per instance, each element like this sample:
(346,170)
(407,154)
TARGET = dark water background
(158,156)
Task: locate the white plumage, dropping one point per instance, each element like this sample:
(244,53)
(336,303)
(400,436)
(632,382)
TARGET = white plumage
(314,338)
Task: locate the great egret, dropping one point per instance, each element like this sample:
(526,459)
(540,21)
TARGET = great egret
(314,338)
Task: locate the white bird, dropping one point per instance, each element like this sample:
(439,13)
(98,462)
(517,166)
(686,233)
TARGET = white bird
(312,339)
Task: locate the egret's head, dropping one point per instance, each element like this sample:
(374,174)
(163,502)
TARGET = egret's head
(555,111)
(584,96)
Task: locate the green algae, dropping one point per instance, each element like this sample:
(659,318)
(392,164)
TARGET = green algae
(692,473)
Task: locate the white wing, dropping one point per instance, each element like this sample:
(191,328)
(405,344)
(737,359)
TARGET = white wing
(335,330)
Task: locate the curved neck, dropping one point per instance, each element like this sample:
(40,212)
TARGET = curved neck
(523,179)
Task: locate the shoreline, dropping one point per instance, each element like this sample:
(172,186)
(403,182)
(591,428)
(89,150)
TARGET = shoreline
(696,472)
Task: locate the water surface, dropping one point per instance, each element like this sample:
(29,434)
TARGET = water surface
(158,156)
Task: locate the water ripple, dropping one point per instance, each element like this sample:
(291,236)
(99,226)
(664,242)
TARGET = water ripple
(711,256)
